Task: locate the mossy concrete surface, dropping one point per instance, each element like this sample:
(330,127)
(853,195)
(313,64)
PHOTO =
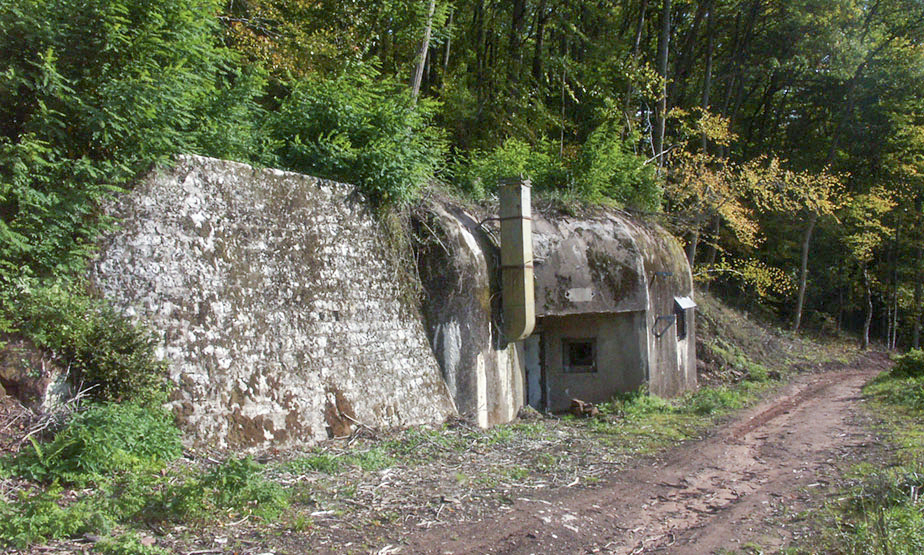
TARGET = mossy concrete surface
(277,302)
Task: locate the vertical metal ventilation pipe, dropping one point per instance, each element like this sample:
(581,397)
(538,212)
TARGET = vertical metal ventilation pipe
(519,302)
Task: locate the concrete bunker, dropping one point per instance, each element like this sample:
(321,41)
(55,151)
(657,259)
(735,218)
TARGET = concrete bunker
(614,311)
(288,315)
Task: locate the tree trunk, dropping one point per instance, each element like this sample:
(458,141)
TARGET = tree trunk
(803,270)
(840,308)
(893,273)
(714,238)
(541,19)
(448,43)
(707,77)
(916,312)
(694,238)
(869,307)
(636,48)
(517,21)
(919,277)
(422,53)
(663,49)
(480,50)
(688,53)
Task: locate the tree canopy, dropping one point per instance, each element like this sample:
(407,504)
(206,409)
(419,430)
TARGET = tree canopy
(789,133)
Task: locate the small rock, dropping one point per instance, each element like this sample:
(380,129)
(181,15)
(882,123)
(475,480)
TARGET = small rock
(583,408)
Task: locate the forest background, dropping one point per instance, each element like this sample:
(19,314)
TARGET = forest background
(783,141)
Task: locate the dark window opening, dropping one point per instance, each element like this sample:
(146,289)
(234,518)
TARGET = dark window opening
(579,355)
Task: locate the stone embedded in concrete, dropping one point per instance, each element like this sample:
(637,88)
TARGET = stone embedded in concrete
(279,303)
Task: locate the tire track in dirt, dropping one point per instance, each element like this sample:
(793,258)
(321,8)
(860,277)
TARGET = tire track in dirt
(697,498)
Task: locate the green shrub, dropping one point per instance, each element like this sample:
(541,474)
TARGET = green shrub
(127,544)
(359,128)
(38,516)
(897,389)
(237,484)
(482,170)
(376,458)
(93,92)
(100,348)
(881,512)
(636,404)
(910,364)
(709,400)
(100,441)
(609,170)
(322,462)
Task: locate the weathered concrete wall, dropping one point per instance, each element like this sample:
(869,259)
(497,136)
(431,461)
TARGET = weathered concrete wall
(279,303)
(602,275)
(587,264)
(672,362)
(457,266)
(609,263)
(621,356)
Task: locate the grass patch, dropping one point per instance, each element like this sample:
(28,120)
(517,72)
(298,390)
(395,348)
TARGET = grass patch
(644,423)
(236,487)
(127,544)
(881,509)
(110,467)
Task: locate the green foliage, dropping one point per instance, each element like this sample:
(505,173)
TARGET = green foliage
(604,170)
(909,365)
(636,404)
(482,170)
(899,391)
(93,92)
(235,485)
(359,128)
(100,347)
(140,493)
(702,402)
(895,530)
(375,458)
(707,400)
(100,441)
(37,516)
(610,171)
(321,462)
(127,544)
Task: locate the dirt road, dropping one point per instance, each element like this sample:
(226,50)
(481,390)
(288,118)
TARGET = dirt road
(700,497)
